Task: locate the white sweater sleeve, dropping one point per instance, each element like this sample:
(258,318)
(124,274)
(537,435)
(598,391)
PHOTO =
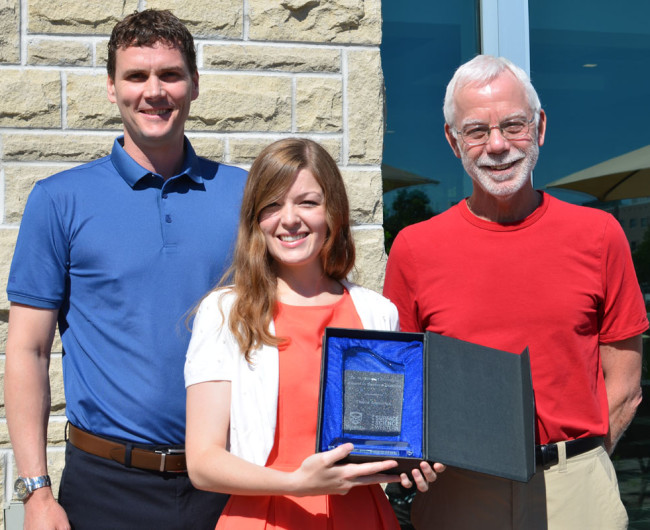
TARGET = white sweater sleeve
(212,353)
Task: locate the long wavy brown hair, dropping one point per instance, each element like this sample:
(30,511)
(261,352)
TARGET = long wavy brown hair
(252,275)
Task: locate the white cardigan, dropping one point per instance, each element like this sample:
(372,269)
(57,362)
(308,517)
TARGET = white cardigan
(213,355)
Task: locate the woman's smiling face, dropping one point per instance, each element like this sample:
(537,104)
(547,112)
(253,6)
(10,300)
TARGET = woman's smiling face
(295,226)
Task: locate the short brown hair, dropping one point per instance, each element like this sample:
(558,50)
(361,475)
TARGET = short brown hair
(146,28)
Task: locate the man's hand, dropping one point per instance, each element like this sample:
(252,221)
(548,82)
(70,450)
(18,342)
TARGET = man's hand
(422,476)
(42,512)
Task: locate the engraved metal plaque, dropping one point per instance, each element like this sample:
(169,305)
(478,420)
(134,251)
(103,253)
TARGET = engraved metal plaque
(372,402)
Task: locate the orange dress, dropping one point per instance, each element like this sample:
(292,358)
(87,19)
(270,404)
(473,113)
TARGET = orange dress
(364,507)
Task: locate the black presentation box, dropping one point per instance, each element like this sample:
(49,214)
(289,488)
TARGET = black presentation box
(424,396)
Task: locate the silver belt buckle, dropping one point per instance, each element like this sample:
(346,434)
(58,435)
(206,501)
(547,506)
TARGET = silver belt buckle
(169,451)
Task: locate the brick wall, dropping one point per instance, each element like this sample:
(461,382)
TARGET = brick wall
(268,69)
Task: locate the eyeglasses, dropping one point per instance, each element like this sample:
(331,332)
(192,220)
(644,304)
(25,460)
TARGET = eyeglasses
(479,133)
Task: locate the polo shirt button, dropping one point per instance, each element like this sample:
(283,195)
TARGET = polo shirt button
(164,196)
(168,218)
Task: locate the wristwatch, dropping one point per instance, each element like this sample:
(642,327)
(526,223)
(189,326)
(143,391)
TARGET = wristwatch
(24,487)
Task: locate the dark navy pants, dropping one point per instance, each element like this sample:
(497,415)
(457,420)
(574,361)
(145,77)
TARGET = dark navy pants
(102,494)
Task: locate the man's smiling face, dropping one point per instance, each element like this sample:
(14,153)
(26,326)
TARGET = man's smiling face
(153,89)
(500,167)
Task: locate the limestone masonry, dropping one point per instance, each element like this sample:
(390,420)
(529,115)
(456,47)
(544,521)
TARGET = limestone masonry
(268,69)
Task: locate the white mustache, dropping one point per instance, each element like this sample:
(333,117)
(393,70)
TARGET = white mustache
(489,160)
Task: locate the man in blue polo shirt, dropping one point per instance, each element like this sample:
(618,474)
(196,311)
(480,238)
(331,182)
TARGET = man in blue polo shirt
(117,251)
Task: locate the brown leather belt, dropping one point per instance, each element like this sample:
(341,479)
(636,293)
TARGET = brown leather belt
(165,459)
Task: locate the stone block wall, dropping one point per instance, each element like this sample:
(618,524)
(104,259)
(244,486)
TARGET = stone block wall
(268,69)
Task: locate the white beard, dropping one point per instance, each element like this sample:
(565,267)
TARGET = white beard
(507,183)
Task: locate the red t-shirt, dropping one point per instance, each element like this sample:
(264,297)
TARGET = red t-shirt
(560,281)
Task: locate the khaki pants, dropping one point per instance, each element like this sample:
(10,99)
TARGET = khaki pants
(575,494)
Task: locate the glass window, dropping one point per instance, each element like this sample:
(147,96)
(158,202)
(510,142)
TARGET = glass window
(422,45)
(590,63)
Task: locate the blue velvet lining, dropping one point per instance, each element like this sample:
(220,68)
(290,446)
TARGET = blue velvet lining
(389,357)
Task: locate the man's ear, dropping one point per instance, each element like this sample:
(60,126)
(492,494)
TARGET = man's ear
(195,85)
(541,128)
(453,141)
(110,89)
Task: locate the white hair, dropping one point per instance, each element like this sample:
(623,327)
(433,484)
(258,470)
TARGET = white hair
(481,70)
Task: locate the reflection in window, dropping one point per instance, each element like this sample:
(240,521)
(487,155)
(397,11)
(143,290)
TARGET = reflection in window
(590,63)
(422,45)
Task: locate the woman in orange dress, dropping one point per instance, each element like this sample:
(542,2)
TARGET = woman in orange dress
(253,364)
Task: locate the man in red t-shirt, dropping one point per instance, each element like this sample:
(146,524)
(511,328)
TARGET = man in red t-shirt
(511,267)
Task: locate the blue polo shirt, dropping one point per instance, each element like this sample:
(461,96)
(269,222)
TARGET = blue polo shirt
(124,255)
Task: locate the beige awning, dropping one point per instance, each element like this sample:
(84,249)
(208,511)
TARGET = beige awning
(394,178)
(623,177)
